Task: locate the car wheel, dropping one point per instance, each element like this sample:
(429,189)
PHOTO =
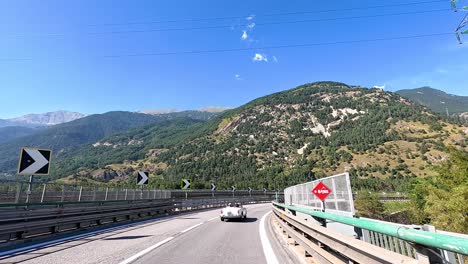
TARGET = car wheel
(222,219)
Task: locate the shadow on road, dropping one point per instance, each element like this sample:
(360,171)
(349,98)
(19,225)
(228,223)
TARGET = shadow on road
(247,220)
(124,237)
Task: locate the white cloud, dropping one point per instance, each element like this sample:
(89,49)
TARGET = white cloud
(441,71)
(260,57)
(275,59)
(250,17)
(251,25)
(244,35)
(238,77)
(379,86)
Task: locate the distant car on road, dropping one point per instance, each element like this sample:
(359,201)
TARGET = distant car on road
(233,212)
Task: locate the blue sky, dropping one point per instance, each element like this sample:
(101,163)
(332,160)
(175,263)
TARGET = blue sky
(53,53)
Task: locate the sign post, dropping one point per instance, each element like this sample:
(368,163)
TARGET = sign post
(213,188)
(322,191)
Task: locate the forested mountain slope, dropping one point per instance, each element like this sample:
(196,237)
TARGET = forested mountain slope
(308,132)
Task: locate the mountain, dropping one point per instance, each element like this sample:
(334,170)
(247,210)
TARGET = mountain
(45,119)
(438,101)
(209,109)
(67,137)
(382,139)
(10,132)
(214,109)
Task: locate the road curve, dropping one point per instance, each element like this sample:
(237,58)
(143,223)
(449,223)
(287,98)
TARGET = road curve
(198,237)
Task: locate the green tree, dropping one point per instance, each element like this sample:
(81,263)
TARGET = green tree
(442,200)
(368,205)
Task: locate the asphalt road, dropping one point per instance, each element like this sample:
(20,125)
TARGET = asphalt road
(190,238)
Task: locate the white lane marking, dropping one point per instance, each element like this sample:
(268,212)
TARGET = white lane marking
(190,228)
(211,219)
(145,251)
(267,249)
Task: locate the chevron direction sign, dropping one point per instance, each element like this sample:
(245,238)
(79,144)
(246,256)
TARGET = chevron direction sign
(213,187)
(142,178)
(185,184)
(34,161)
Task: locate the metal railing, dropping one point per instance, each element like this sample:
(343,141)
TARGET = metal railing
(20,192)
(396,240)
(24,192)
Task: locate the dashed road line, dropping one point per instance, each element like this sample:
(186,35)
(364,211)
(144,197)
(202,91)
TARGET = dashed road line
(146,251)
(190,228)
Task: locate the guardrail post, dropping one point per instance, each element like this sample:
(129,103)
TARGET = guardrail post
(154,193)
(43,192)
(79,194)
(126,193)
(116,194)
(107,191)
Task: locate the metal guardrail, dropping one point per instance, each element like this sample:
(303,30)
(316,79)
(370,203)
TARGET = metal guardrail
(425,243)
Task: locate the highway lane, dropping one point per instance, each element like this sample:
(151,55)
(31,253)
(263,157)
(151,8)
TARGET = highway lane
(198,237)
(215,242)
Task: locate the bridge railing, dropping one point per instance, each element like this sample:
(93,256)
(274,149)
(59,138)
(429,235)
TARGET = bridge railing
(387,242)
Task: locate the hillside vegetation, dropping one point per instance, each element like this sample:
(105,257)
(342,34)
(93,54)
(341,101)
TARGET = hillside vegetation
(438,101)
(314,130)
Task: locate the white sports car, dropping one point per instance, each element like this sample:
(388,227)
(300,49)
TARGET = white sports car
(233,212)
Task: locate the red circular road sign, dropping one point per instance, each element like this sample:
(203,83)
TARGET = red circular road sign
(321,191)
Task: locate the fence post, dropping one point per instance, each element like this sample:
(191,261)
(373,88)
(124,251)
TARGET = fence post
(79,194)
(18,192)
(63,193)
(116,194)
(28,193)
(107,191)
(43,192)
(126,192)
(154,193)
(94,194)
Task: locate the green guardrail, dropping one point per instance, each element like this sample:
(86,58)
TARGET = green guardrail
(441,241)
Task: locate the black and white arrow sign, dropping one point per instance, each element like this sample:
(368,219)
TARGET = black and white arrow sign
(34,161)
(233,188)
(186,183)
(264,190)
(250,189)
(142,178)
(213,187)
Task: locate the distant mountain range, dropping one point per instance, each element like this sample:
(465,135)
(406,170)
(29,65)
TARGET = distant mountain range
(437,100)
(87,130)
(45,119)
(209,109)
